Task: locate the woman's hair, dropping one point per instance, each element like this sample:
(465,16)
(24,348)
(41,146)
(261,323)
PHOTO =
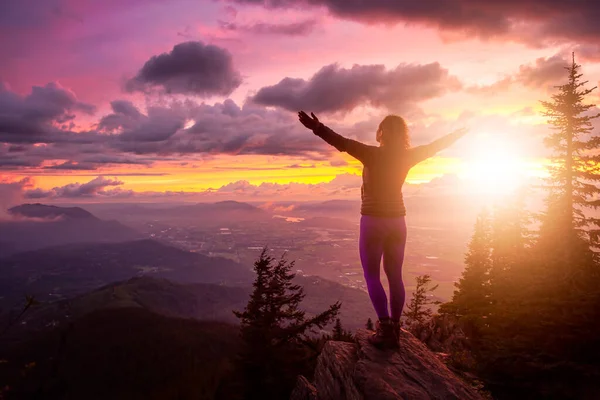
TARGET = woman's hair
(394,131)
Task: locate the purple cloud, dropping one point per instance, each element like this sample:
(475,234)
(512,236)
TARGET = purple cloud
(334,89)
(93,188)
(159,124)
(190,68)
(539,19)
(301,28)
(543,72)
(34,118)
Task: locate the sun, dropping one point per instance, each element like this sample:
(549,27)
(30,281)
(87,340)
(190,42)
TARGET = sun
(494,165)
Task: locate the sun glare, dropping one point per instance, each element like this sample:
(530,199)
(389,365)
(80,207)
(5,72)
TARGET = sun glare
(494,165)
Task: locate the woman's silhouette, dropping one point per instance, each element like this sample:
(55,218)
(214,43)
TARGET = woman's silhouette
(382,222)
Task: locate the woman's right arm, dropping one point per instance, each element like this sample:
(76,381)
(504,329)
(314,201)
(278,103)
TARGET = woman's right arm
(421,153)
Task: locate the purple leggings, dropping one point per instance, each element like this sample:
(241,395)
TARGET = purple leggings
(383,236)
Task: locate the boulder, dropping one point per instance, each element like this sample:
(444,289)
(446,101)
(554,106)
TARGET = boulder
(360,371)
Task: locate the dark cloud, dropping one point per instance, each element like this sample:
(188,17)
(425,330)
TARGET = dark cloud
(31,133)
(159,124)
(41,116)
(164,132)
(301,28)
(532,21)
(544,72)
(190,68)
(225,128)
(121,159)
(298,166)
(7,162)
(16,148)
(72,166)
(93,188)
(38,194)
(334,88)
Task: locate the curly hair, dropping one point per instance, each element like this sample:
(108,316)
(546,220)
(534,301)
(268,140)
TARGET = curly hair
(395,131)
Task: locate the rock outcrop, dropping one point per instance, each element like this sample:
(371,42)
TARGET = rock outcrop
(359,371)
(441,333)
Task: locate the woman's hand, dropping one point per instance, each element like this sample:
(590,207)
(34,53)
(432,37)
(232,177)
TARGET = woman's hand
(310,123)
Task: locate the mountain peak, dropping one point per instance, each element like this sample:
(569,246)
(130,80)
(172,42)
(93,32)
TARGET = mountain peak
(38,210)
(361,371)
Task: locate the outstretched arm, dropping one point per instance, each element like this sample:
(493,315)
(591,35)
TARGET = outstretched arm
(358,150)
(421,153)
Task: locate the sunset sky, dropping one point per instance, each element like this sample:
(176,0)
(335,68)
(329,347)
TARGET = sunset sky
(135,100)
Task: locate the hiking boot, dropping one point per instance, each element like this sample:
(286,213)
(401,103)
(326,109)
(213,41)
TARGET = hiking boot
(396,325)
(385,335)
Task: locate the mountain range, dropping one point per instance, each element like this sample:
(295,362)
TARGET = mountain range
(64,271)
(35,226)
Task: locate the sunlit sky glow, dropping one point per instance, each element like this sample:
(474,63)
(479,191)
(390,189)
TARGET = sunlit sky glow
(213,113)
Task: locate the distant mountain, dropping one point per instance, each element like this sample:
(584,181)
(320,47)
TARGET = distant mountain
(127,353)
(43,226)
(69,270)
(193,300)
(229,205)
(331,208)
(201,301)
(43,211)
(205,214)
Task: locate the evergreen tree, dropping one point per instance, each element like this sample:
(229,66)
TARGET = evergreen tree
(544,303)
(418,310)
(471,298)
(338,331)
(370,325)
(511,241)
(340,334)
(275,331)
(574,168)
(510,278)
(566,254)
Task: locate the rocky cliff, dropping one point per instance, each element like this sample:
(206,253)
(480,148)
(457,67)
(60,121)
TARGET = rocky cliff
(359,371)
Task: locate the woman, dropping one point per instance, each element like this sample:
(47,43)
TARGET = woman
(382,223)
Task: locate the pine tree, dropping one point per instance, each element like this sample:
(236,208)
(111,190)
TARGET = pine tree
(510,279)
(574,166)
(510,241)
(370,325)
(471,299)
(567,293)
(340,334)
(274,330)
(544,298)
(418,309)
(338,331)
